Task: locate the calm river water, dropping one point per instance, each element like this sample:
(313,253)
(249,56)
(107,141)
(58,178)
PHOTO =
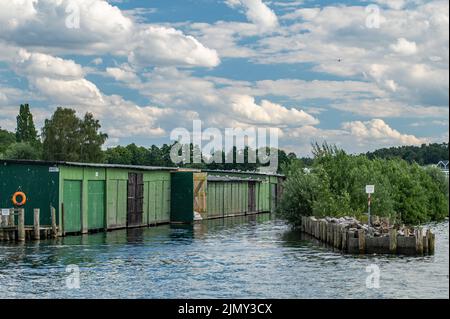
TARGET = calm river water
(258,257)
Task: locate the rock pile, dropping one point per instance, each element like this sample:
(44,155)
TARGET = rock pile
(379,226)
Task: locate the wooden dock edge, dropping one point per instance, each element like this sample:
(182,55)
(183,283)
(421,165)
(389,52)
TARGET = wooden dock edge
(349,241)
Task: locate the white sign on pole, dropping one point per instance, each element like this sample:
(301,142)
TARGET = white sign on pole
(370,189)
(5,212)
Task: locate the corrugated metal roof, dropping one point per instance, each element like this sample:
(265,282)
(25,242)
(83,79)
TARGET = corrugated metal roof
(135,167)
(242,172)
(93,165)
(231,179)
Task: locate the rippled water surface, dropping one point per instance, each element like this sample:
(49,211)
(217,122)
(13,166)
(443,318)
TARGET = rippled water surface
(257,257)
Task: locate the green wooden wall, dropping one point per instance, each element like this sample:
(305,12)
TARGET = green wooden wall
(104,193)
(157,189)
(226,199)
(40,183)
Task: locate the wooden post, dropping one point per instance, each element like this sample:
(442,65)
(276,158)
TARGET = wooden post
(330,231)
(335,236)
(11,223)
(419,240)
(2,224)
(54,232)
(5,224)
(393,241)
(322,226)
(21,225)
(362,241)
(344,239)
(425,243)
(339,237)
(36,225)
(431,239)
(316,229)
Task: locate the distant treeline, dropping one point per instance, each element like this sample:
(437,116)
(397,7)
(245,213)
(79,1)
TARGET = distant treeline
(66,137)
(160,156)
(422,155)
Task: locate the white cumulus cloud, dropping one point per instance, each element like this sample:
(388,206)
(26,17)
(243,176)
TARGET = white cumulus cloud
(257,12)
(378,130)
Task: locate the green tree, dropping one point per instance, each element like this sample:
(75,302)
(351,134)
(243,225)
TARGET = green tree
(26,131)
(61,136)
(6,139)
(21,151)
(68,138)
(118,155)
(91,140)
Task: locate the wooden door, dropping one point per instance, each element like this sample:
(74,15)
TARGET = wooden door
(135,209)
(251,197)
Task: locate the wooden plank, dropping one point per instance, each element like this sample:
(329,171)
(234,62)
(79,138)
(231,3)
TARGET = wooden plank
(36,225)
(344,239)
(54,230)
(21,225)
(419,240)
(431,243)
(362,241)
(11,223)
(393,241)
(3,223)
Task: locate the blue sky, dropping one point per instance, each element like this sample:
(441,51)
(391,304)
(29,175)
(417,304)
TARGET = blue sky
(360,74)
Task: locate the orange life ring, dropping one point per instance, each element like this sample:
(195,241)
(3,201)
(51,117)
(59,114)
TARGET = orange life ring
(21,203)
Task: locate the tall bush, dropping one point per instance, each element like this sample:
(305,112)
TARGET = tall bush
(335,186)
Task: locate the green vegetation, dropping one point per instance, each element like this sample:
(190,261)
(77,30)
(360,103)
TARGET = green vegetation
(68,138)
(26,131)
(335,186)
(422,155)
(23,150)
(6,139)
(65,137)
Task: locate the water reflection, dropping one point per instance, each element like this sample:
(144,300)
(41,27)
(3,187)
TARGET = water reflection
(248,256)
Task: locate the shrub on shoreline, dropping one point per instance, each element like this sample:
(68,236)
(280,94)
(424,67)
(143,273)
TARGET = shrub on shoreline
(335,186)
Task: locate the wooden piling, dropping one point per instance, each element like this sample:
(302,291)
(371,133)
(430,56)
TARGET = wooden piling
(2,224)
(393,241)
(362,241)
(344,240)
(339,237)
(21,225)
(330,232)
(419,240)
(317,229)
(11,222)
(54,230)
(36,225)
(431,243)
(335,236)
(324,231)
(425,243)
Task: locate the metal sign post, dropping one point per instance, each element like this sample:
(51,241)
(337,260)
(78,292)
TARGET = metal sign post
(370,189)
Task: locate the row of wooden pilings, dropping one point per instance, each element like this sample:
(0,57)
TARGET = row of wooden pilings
(359,241)
(14,229)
